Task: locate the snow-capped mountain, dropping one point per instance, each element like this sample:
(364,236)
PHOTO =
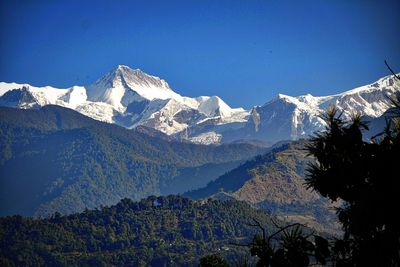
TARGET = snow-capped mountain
(131,98)
(123,85)
(290,118)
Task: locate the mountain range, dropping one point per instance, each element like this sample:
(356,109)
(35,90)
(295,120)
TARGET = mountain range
(56,159)
(133,99)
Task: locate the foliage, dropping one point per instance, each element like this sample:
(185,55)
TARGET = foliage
(274,181)
(288,246)
(213,260)
(365,176)
(71,162)
(157,231)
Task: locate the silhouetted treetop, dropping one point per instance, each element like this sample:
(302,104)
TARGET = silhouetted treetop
(365,175)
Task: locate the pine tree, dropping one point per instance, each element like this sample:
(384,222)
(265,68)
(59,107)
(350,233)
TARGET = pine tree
(365,176)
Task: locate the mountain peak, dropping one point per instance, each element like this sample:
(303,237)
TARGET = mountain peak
(123,85)
(121,66)
(133,78)
(125,68)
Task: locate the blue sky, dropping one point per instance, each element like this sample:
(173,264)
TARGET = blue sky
(244,51)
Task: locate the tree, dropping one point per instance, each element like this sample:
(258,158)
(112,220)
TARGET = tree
(213,260)
(365,176)
(290,245)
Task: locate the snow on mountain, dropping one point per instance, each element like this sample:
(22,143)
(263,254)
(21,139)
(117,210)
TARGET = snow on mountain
(287,117)
(5,87)
(98,111)
(131,98)
(213,106)
(75,96)
(160,115)
(207,138)
(123,85)
(370,100)
(26,96)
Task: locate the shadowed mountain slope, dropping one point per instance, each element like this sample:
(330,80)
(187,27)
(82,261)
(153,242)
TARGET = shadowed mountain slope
(55,159)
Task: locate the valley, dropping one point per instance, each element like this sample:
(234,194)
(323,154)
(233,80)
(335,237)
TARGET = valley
(95,191)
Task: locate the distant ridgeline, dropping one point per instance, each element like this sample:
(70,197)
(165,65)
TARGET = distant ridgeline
(157,231)
(274,181)
(56,159)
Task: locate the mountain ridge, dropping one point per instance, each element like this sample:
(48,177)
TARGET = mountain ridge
(275,181)
(67,162)
(131,98)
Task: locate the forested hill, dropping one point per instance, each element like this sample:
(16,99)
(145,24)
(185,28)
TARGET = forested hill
(157,231)
(55,159)
(275,181)
(54,118)
(277,176)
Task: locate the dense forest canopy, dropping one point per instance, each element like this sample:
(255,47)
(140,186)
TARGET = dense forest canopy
(172,230)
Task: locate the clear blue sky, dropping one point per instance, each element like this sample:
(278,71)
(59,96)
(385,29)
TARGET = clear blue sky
(244,51)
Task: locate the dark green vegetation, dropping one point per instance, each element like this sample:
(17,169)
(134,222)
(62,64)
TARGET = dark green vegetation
(55,159)
(275,182)
(292,245)
(213,260)
(361,174)
(288,160)
(197,177)
(157,231)
(365,175)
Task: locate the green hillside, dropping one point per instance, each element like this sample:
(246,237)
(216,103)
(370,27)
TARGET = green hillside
(275,182)
(157,231)
(55,159)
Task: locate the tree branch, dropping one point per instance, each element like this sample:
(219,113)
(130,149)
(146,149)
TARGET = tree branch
(284,228)
(390,69)
(239,245)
